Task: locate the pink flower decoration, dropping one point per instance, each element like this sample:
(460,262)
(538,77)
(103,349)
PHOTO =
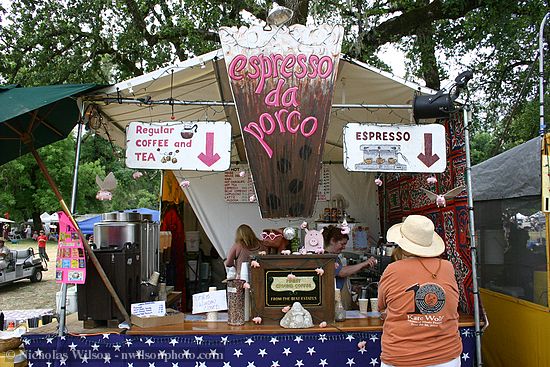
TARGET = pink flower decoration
(344,230)
(136,175)
(378,182)
(320,271)
(257,320)
(323,324)
(254,264)
(252,198)
(431,180)
(320,251)
(104,195)
(291,276)
(286,309)
(361,344)
(242,174)
(303,225)
(246,285)
(185,183)
(262,253)
(285,252)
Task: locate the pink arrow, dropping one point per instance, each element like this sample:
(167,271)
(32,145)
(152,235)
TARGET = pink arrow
(427,158)
(210,157)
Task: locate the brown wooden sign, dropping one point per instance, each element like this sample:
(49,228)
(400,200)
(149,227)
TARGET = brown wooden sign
(273,289)
(282,82)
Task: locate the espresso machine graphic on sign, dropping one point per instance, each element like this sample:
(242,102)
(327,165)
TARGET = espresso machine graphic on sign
(382,157)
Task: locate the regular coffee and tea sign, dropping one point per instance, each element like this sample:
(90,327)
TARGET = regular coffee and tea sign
(282,82)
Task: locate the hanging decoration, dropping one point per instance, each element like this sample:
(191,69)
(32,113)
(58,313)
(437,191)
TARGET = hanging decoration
(136,175)
(378,181)
(441,199)
(105,187)
(282,81)
(431,180)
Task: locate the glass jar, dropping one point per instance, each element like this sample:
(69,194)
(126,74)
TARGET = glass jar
(339,310)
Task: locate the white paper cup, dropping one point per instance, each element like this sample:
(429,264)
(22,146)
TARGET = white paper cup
(374,304)
(363,305)
(154,278)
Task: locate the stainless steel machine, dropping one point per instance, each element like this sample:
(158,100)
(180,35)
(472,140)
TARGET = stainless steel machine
(117,228)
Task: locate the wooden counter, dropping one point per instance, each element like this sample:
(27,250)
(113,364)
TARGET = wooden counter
(270,327)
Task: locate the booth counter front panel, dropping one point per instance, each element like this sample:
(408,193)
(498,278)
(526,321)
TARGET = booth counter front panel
(217,344)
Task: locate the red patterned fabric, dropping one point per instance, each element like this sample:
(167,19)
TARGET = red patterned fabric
(403,197)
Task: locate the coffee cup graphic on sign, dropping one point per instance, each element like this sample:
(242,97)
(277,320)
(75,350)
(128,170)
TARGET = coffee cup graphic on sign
(188,130)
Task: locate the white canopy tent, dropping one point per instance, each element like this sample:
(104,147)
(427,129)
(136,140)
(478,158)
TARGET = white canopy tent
(200,89)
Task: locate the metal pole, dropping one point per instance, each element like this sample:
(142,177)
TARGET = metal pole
(542,126)
(63,296)
(228,104)
(473,246)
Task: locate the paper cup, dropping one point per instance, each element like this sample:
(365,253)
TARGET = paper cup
(374,304)
(363,305)
(154,278)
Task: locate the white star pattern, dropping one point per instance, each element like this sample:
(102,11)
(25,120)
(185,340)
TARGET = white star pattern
(107,358)
(139,354)
(262,353)
(362,350)
(298,339)
(225,339)
(299,363)
(250,364)
(95,347)
(105,336)
(162,354)
(198,340)
(130,365)
(128,343)
(465,356)
(173,342)
(213,353)
(39,352)
(310,350)
(323,362)
(466,332)
(72,347)
(287,351)
(374,361)
(49,340)
(201,364)
(49,364)
(26,342)
(249,341)
(186,353)
(350,337)
(226,364)
(175,364)
(322,338)
(274,341)
(275,364)
(84,359)
(30,364)
(373,338)
(149,341)
(151,364)
(117,347)
(350,362)
(237,353)
(63,337)
(63,361)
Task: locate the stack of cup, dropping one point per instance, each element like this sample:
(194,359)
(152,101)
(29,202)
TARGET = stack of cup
(363,305)
(212,315)
(374,304)
(245,277)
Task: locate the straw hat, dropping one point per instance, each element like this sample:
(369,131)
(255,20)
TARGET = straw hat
(417,236)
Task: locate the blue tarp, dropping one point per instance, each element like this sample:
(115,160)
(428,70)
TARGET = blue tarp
(87,225)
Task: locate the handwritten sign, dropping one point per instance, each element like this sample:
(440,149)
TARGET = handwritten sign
(148,309)
(201,146)
(282,82)
(237,188)
(70,265)
(209,301)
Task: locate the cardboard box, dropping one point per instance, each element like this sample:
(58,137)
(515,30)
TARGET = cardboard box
(171,317)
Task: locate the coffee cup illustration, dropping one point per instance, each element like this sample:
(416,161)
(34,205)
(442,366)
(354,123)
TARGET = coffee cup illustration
(188,130)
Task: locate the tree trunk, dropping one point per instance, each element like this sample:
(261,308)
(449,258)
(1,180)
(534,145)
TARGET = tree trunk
(425,43)
(36,221)
(300,9)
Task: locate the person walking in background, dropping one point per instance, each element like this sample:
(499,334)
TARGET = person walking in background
(418,295)
(42,240)
(28,232)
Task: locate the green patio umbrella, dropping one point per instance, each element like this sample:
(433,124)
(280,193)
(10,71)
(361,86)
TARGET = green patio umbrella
(33,117)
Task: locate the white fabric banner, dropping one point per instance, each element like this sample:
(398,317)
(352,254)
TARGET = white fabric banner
(220,219)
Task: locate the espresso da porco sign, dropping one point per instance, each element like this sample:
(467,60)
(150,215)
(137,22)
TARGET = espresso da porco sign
(282,82)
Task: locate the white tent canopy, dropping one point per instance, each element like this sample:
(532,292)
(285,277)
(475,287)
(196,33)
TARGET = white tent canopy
(204,78)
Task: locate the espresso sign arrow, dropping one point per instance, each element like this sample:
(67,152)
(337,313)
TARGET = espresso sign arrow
(209,157)
(427,157)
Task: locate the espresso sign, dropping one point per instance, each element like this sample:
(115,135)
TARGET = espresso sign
(282,82)
(303,286)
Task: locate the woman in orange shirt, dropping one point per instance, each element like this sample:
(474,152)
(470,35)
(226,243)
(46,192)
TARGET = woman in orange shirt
(419,295)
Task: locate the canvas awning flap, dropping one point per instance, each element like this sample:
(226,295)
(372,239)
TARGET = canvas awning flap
(514,173)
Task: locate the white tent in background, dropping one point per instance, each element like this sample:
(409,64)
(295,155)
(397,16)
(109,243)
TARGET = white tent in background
(45,217)
(54,217)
